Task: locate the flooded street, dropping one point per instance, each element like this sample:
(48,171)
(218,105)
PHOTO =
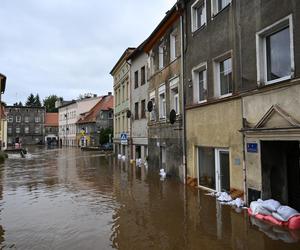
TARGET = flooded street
(69,199)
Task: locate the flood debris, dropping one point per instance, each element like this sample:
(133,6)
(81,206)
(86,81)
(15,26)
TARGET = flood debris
(226,199)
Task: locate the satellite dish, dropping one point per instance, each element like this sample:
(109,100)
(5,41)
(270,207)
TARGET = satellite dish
(150,106)
(172,116)
(128,114)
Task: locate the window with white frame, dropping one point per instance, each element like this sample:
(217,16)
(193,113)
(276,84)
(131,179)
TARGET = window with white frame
(37,119)
(174,95)
(26,130)
(199,74)
(18,130)
(18,118)
(218,5)
(26,119)
(37,129)
(223,77)
(162,102)
(10,119)
(173,38)
(161,56)
(9,130)
(198,14)
(275,55)
(153,112)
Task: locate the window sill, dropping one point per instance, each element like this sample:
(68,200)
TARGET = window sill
(200,102)
(278,80)
(196,31)
(214,15)
(224,96)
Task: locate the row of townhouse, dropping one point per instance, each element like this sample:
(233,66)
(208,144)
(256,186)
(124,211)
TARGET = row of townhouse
(30,125)
(81,121)
(212,96)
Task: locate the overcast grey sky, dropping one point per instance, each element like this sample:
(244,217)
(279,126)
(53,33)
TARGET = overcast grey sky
(68,47)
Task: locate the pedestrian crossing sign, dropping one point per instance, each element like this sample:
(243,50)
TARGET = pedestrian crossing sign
(123,138)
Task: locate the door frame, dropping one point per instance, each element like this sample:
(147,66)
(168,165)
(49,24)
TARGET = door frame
(218,168)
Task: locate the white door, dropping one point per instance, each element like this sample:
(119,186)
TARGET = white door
(222,170)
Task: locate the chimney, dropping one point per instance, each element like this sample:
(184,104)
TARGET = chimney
(109,93)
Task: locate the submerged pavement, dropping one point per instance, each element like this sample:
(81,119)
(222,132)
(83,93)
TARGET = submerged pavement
(69,199)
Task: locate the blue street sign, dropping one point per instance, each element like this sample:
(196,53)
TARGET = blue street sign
(123,138)
(252,147)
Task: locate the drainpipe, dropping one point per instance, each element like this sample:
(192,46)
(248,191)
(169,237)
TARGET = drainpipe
(183,99)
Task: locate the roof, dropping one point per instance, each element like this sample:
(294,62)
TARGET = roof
(3,82)
(51,119)
(171,16)
(105,104)
(124,56)
(137,51)
(24,107)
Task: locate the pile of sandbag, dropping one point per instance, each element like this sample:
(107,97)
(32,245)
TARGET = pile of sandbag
(272,211)
(226,199)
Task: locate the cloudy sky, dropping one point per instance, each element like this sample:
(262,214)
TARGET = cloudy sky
(68,47)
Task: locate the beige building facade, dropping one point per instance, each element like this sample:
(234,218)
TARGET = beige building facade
(122,123)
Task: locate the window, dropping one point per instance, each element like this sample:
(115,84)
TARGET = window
(153,112)
(10,119)
(37,119)
(198,15)
(224,84)
(18,118)
(143,109)
(18,130)
(174,96)
(162,102)
(26,130)
(143,75)
(136,111)
(275,52)
(161,56)
(37,129)
(173,38)
(136,79)
(26,119)
(218,5)
(123,90)
(200,83)
(9,130)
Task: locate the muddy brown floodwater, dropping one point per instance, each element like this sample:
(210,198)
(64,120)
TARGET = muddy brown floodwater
(68,199)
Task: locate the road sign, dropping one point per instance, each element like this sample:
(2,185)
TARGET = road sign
(124,139)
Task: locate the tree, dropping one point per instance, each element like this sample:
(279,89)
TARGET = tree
(104,135)
(49,103)
(37,101)
(18,104)
(30,100)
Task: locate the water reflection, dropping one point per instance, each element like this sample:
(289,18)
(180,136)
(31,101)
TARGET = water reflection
(69,199)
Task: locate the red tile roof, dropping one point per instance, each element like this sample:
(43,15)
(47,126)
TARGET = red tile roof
(51,119)
(105,103)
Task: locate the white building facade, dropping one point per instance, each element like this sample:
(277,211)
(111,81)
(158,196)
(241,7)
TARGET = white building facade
(68,115)
(138,103)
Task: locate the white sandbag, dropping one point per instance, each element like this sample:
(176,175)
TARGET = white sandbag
(271,205)
(287,212)
(277,216)
(257,208)
(224,197)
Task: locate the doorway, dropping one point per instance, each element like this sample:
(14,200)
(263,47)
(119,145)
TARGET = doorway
(281,172)
(222,170)
(214,168)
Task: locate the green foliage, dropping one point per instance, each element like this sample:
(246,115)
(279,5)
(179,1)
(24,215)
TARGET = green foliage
(49,103)
(30,100)
(37,101)
(104,135)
